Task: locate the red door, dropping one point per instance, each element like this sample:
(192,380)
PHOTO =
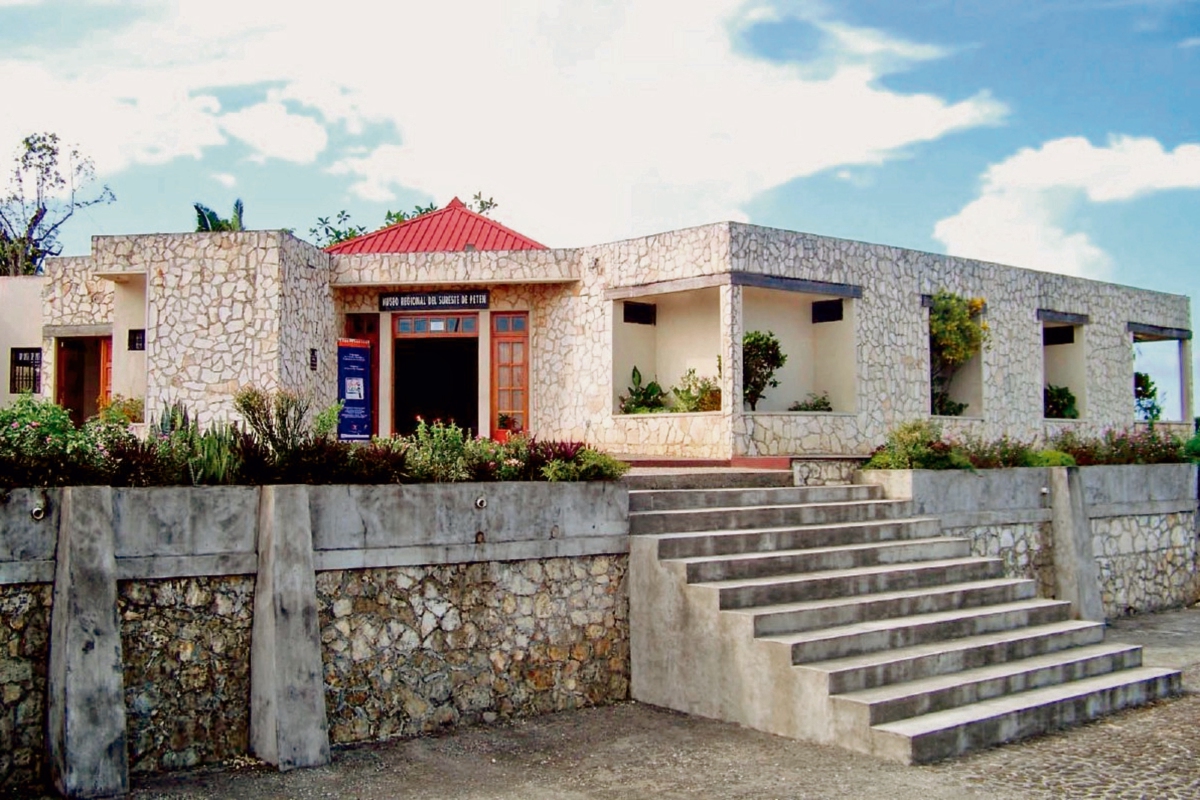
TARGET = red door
(510,371)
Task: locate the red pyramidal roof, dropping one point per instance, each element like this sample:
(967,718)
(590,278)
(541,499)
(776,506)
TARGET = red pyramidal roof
(454,228)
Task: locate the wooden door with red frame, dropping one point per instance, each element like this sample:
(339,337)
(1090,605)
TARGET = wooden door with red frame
(106,358)
(510,371)
(366,326)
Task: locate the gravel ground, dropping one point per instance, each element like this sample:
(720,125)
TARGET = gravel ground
(635,751)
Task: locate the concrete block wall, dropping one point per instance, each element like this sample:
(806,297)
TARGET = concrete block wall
(424,608)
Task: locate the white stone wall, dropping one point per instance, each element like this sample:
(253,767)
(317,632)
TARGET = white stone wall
(307,322)
(71,295)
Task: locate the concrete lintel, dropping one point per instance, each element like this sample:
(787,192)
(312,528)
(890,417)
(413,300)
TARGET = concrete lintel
(1142,509)
(69,331)
(1063,317)
(1076,576)
(86,693)
(800,285)
(288,725)
(667,287)
(1150,333)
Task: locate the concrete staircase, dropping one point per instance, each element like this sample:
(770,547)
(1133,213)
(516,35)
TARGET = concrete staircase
(831,614)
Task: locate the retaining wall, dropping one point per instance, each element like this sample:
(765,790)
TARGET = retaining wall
(427,607)
(1142,520)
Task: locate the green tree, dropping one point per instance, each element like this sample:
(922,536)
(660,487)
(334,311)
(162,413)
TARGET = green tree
(761,356)
(43,193)
(956,333)
(1145,398)
(209,221)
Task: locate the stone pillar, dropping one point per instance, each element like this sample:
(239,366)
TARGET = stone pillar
(86,687)
(731,371)
(387,373)
(1185,379)
(1076,576)
(288,727)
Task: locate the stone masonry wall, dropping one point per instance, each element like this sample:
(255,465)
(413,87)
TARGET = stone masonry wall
(24,655)
(409,650)
(309,323)
(1147,563)
(212,326)
(186,644)
(1026,548)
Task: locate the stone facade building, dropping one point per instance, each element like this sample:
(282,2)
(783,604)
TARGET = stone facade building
(471,321)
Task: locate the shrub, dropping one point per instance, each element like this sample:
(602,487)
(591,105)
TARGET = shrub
(1191,448)
(1051,458)
(437,453)
(998,453)
(917,445)
(696,393)
(588,465)
(761,356)
(1059,403)
(643,399)
(814,402)
(127,409)
(1146,446)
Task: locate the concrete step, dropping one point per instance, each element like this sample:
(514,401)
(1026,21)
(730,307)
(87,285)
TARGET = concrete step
(675,499)
(762,540)
(706,569)
(939,627)
(816,614)
(667,479)
(887,667)
(941,692)
(750,592)
(771,516)
(931,737)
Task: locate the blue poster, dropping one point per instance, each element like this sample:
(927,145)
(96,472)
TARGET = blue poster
(354,390)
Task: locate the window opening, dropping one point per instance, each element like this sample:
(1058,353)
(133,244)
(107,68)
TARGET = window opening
(25,370)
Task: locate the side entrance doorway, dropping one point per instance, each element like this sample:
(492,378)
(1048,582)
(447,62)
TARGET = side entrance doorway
(83,375)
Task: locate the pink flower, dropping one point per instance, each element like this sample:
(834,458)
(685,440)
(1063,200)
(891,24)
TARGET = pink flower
(35,424)
(15,425)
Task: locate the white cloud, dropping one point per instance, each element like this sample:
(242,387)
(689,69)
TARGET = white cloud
(225,179)
(1021,214)
(274,132)
(1192,42)
(586,121)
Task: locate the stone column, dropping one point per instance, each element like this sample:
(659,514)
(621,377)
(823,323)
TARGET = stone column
(288,727)
(86,687)
(1076,576)
(1185,379)
(731,370)
(387,376)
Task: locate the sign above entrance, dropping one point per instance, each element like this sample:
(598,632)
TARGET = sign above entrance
(434,301)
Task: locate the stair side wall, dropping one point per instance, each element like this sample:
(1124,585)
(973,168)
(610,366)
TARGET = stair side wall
(686,655)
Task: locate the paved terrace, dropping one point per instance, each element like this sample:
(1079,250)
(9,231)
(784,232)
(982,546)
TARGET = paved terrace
(635,751)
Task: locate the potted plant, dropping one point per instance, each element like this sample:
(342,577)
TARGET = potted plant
(505,425)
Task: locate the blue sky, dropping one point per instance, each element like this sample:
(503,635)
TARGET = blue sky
(1054,134)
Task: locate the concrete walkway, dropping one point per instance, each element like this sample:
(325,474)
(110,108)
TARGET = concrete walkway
(634,751)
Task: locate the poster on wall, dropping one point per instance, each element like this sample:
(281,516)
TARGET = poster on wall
(354,390)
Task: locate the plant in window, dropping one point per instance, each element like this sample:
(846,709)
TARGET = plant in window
(1145,398)
(761,356)
(696,393)
(643,399)
(814,402)
(956,333)
(1059,402)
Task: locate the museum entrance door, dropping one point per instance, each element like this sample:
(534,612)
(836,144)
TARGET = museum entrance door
(436,371)
(83,381)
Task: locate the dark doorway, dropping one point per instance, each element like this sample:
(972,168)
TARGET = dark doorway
(436,378)
(83,378)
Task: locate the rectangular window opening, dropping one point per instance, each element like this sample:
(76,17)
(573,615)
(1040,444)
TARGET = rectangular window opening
(137,339)
(25,370)
(640,313)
